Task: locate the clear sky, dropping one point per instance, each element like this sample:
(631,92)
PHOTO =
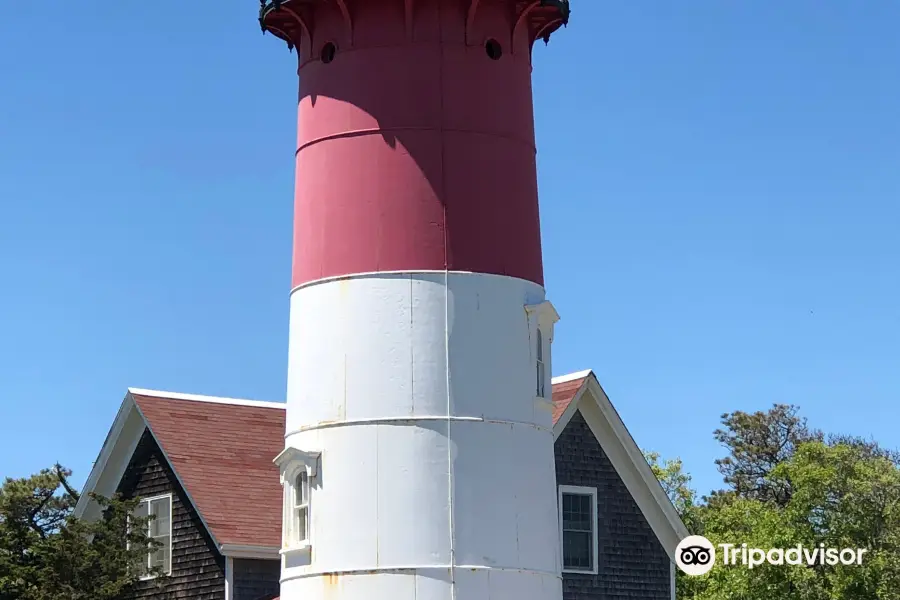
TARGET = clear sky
(720,201)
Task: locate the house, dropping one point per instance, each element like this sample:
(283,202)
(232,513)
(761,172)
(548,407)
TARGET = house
(204,466)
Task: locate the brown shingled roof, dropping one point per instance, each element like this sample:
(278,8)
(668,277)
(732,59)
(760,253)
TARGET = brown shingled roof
(222,452)
(563,394)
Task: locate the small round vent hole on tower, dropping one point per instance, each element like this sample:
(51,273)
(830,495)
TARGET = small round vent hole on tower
(493,49)
(328,52)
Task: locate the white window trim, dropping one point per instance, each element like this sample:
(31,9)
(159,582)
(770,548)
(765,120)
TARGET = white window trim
(583,491)
(291,462)
(672,579)
(229,578)
(542,317)
(147,501)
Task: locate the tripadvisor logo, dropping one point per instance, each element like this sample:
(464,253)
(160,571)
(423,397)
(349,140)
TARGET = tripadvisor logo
(696,555)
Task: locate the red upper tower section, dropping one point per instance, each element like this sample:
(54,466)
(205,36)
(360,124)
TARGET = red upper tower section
(415,137)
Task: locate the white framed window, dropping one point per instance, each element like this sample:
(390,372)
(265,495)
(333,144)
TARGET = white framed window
(541,320)
(159,529)
(298,507)
(298,472)
(578,529)
(540,391)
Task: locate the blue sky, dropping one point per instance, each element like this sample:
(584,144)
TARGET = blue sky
(719,200)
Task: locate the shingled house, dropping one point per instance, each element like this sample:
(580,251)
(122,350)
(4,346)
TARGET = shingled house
(204,466)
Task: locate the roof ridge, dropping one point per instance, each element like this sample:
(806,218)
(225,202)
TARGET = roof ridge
(279,405)
(571,376)
(203,398)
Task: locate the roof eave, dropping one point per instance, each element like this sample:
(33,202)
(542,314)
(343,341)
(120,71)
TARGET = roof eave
(112,442)
(249,551)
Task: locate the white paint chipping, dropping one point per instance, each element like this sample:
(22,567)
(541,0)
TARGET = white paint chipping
(436,472)
(426,583)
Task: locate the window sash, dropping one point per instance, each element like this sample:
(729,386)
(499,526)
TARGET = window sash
(578,550)
(301,490)
(297,503)
(158,529)
(541,369)
(302,516)
(162,556)
(160,526)
(541,380)
(578,513)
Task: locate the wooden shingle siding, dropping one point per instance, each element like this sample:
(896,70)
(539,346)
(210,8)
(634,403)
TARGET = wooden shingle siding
(256,579)
(632,563)
(198,570)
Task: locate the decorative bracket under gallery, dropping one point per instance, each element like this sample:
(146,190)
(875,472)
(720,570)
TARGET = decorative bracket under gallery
(287,20)
(293,21)
(540,28)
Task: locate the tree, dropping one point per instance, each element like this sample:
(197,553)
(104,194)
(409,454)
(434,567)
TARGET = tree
(757,443)
(787,485)
(48,554)
(677,486)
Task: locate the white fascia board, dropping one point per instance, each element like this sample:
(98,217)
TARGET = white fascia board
(245,551)
(201,398)
(122,438)
(571,376)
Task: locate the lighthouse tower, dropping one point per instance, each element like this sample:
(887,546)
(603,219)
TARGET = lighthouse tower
(418,461)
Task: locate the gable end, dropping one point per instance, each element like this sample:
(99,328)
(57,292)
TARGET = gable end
(631,561)
(198,569)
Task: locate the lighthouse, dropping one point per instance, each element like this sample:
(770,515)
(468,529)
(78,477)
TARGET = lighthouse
(418,460)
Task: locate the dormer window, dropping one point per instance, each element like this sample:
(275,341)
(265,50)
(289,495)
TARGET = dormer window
(541,320)
(298,474)
(541,368)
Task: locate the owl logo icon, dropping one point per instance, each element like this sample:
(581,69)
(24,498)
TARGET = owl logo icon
(695,555)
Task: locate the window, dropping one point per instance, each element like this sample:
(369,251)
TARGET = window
(298,474)
(578,524)
(541,320)
(159,529)
(541,369)
(300,510)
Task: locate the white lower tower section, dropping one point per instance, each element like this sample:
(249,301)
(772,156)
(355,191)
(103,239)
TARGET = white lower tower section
(415,417)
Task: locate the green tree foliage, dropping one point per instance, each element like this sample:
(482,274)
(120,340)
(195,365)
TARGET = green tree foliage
(785,485)
(48,554)
(677,486)
(756,444)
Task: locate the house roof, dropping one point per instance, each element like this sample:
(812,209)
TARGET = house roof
(215,444)
(215,447)
(565,389)
(220,450)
